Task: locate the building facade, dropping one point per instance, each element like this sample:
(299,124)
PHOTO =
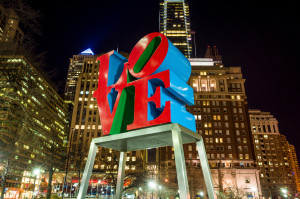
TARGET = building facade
(32,123)
(175,24)
(294,166)
(221,113)
(11,36)
(75,68)
(272,154)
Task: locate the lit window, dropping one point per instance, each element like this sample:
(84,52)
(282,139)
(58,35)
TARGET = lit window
(241,156)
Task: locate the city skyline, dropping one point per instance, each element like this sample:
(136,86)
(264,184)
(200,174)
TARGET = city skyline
(225,115)
(261,38)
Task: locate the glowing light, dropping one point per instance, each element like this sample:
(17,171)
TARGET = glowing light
(152,185)
(284,191)
(87,52)
(36,171)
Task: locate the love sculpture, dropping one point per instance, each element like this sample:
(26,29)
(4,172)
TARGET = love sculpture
(148,89)
(141,105)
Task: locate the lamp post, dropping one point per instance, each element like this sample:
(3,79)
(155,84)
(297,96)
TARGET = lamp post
(284,191)
(36,172)
(99,182)
(152,185)
(254,190)
(159,191)
(270,195)
(201,194)
(67,166)
(140,191)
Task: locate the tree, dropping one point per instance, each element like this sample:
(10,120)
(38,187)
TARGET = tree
(132,180)
(233,192)
(16,119)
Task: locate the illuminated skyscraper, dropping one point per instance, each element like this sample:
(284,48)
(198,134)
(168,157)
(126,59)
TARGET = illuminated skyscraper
(272,154)
(294,166)
(175,24)
(75,68)
(11,35)
(32,124)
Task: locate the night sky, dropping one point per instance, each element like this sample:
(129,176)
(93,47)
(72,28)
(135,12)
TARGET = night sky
(260,36)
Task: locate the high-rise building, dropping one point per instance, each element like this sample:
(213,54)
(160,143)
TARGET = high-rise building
(75,68)
(175,24)
(294,166)
(11,36)
(221,112)
(272,154)
(32,124)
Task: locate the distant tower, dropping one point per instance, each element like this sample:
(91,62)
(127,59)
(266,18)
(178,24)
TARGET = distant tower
(175,24)
(75,69)
(212,52)
(11,35)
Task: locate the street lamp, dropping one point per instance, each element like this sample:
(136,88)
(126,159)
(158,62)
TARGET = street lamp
(36,172)
(201,193)
(254,190)
(152,185)
(159,191)
(140,191)
(99,182)
(284,191)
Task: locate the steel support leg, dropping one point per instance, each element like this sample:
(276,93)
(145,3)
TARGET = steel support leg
(87,171)
(184,191)
(205,168)
(121,174)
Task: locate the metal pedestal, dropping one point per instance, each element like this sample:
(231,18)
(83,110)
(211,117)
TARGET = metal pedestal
(151,137)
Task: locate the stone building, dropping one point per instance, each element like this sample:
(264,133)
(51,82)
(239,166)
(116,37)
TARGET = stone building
(221,112)
(272,154)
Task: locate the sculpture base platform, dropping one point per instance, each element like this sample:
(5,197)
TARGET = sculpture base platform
(151,137)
